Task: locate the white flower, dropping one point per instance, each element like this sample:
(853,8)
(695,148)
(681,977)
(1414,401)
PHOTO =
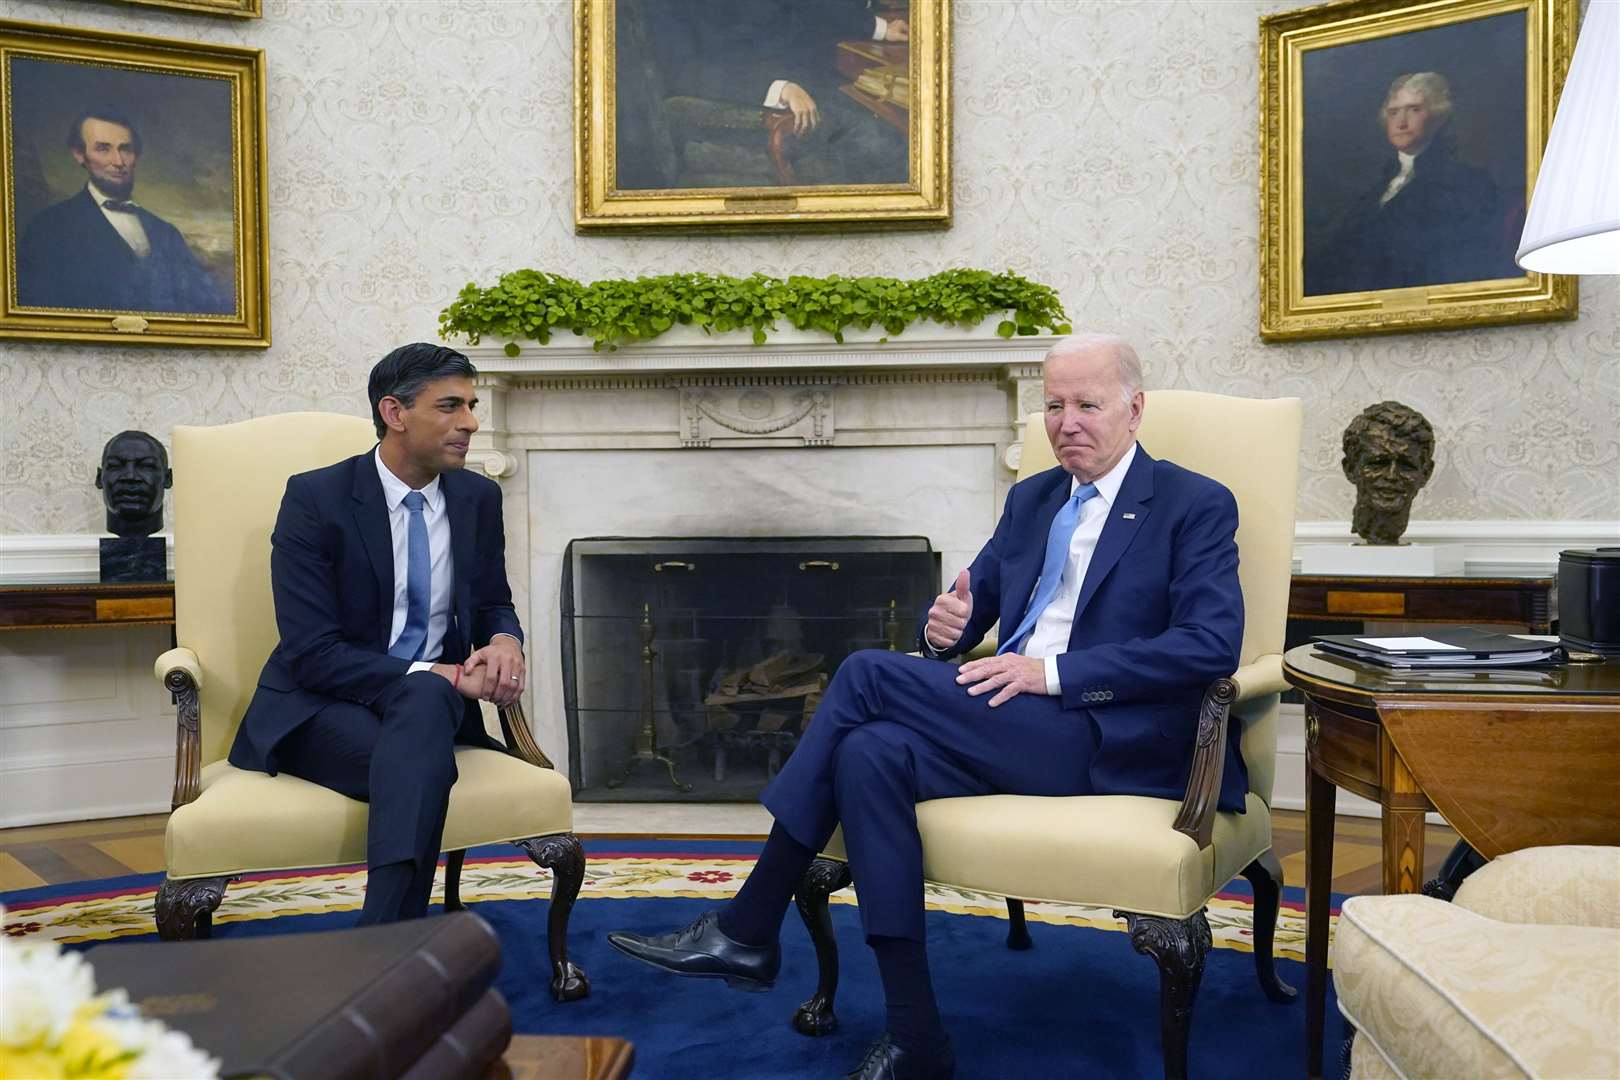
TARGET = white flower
(40,988)
(164,1054)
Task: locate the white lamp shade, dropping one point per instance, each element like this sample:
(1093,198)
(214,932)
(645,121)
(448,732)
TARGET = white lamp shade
(1573,226)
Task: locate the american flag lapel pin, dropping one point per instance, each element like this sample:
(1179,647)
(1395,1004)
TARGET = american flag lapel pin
(1130,517)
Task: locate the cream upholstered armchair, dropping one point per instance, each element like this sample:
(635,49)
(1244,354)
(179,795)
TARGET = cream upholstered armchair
(1156,861)
(228,822)
(1518,977)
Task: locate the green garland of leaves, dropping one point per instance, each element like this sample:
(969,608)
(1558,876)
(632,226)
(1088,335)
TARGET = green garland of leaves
(532,305)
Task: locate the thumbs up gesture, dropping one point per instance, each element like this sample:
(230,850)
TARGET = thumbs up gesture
(950,613)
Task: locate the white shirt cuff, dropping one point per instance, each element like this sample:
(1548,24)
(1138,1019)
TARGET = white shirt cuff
(773,97)
(419,665)
(1053,686)
(514,637)
(882,28)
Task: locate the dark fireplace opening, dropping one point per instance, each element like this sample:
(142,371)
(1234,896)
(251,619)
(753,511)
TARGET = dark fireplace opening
(692,665)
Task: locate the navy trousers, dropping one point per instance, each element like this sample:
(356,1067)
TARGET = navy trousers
(895,730)
(399,756)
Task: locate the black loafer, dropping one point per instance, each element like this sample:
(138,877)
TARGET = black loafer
(886,1061)
(703,951)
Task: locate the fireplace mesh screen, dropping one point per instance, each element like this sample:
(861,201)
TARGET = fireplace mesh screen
(692,665)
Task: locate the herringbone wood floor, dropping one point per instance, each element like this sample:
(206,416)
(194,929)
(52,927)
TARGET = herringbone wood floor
(86,850)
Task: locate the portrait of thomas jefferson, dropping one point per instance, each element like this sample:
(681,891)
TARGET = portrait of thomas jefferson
(1427,216)
(124,194)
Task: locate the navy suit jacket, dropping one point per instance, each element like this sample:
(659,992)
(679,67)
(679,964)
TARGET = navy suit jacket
(72,257)
(1160,617)
(332,576)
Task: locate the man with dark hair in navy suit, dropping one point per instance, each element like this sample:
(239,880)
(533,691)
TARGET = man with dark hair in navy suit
(1114,580)
(389,577)
(101,250)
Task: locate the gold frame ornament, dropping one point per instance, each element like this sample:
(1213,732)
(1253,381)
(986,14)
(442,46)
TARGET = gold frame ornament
(108,59)
(923,201)
(1286,40)
(242,9)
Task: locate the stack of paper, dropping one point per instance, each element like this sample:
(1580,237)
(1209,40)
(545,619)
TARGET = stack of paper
(1461,647)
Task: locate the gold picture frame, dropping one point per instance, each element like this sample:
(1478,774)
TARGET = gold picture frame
(1358,233)
(672,130)
(241,9)
(171,144)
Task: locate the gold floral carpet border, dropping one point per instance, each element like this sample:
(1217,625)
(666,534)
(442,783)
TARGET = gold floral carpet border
(100,915)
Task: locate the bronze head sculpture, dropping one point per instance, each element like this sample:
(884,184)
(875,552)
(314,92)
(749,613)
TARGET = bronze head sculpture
(133,475)
(1389,456)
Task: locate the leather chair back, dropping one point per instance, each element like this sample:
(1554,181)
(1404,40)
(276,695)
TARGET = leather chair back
(228,483)
(1252,446)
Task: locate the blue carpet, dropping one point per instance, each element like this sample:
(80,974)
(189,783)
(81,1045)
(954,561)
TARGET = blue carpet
(1081,1003)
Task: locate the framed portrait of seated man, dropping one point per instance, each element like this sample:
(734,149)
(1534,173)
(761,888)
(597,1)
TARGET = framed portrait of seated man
(134,206)
(1400,143)
(761,114)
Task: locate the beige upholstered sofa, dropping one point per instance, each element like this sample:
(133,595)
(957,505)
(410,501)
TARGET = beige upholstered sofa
(228,822)
(1157,861)
(1518,977)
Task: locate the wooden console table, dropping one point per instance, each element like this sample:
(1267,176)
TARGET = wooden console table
(85,601)
(1512,758)
(1530,600)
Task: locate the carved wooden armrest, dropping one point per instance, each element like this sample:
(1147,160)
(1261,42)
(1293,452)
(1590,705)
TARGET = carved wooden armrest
(519,739)
(180,672)
(1197,816)
(1261,676)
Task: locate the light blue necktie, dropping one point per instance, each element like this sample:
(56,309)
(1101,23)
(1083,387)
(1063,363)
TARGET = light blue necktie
(418,582)
(1057,555)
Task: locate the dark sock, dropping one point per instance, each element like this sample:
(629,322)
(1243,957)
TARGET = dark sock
(754,916)
(908,994)
(387,887)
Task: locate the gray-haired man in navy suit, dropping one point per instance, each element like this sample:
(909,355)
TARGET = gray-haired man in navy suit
(100,249)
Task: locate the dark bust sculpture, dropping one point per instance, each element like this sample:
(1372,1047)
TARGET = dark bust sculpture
(1389,456)
(133,475)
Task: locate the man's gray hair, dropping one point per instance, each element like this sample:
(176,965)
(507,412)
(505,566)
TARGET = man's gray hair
(1129,365)
(1431,84)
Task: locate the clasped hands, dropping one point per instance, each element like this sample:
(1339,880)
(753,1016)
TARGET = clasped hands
(494,673)
(1008,675)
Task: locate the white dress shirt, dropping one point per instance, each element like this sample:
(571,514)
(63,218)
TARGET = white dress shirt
(128,225)
(444,577)
(773,96)
(1401,178)
(1051,633)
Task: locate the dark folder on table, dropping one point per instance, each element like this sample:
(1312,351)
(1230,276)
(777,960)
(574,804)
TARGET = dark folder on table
(411,998)
(1454,647)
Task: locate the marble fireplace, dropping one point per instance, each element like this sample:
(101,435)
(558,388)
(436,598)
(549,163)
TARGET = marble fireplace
(713,436)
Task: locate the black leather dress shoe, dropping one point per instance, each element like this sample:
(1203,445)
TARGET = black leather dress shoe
(886,1061)
(702,950)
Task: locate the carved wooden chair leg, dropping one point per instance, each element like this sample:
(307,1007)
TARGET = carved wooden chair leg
(1266,879)
(452,881)
(185,908)
(822,879)
(1017,931)
(1179,946)
(562,854)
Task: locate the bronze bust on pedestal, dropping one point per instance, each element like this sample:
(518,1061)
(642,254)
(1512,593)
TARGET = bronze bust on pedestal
(133,475)
(1389,456)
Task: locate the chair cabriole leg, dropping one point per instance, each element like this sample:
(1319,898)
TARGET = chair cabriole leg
(185,908)
(1179,946)
(1266,880)
(562,854)
(822,879)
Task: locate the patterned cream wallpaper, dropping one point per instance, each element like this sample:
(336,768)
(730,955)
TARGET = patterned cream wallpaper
(1106,147)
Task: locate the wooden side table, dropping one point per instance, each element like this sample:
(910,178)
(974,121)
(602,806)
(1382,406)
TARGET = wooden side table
(1465,598)
(78,602)
(1513,758)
